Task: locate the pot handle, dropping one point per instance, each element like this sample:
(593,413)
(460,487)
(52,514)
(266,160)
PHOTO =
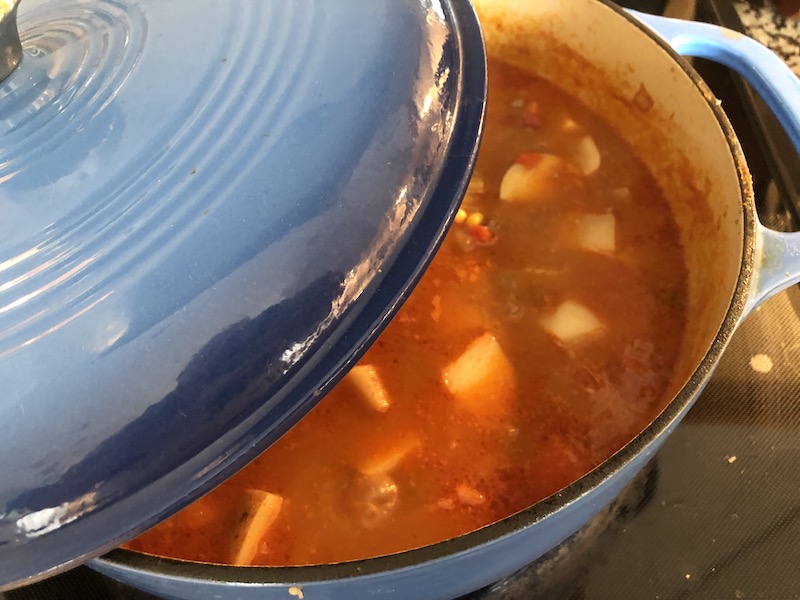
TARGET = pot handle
(763,69)
(777,253)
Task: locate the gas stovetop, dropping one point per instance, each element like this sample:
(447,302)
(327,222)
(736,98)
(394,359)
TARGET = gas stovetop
(716,514)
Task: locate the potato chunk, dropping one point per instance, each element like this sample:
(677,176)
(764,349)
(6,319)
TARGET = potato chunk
(587,155)
(369,387)
(533,177)
(477,185)
(482,379)
(572,322)
(262,512)
(386,460)
(597,233)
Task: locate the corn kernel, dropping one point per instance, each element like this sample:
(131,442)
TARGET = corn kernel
(461,216)
(474,219)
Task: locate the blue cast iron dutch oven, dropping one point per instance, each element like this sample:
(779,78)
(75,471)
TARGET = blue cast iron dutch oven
(607,58)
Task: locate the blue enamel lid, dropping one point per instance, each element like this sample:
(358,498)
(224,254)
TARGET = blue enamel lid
(209,210)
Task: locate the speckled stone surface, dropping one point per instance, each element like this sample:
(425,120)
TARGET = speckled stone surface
(765,24)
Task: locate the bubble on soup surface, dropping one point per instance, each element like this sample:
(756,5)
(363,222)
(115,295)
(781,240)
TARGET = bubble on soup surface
(373,497)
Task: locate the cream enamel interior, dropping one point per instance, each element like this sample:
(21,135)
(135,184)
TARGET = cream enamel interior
(597,55)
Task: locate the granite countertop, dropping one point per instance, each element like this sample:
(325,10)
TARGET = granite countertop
(765,24)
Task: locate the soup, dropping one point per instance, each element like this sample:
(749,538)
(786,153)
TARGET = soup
(541,339)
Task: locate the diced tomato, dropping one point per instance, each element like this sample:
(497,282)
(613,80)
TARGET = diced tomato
(529,159)
(481,233)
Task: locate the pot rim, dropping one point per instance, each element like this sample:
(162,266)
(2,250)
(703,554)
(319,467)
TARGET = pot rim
(550,506)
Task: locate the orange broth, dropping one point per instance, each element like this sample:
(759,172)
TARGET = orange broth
(540,341)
